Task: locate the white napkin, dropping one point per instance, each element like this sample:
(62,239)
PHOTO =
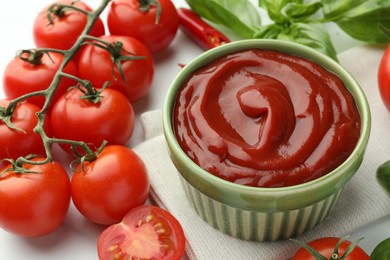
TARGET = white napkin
(361,202)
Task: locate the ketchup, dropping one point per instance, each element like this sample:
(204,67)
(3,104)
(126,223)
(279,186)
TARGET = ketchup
(266,119)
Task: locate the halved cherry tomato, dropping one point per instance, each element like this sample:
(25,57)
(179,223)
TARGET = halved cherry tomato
(105,189)
(146,232)
(34,204)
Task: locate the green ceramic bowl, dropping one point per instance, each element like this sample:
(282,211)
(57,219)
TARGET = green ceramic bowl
(264,214)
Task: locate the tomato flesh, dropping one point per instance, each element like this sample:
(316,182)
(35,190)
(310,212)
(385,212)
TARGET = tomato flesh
(146,232)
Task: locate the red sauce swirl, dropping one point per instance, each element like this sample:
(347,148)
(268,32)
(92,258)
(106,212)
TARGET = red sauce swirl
(267,119)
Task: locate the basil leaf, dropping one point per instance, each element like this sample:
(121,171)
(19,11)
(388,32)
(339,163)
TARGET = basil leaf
(270,31)
(359,18)
(238,15)
(274,9)
(299,12)
(333,9)
(313,35)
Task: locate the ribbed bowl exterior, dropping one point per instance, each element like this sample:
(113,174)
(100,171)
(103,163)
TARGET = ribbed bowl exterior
(257,225)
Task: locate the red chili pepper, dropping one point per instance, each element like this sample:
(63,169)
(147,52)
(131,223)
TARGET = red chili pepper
(199,31)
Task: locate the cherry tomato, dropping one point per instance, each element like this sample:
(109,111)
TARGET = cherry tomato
(65,27)
(326,246)
(141,20)
(22,76)
(146,232)
(34,204)
(384,78)
(21,141)
(111,118)
(96,65)
(111,185)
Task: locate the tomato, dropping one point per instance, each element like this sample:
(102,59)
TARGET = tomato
(111,185)
(139,19)
(146,232)
(326,246)
(15,143)
(76,118)
(96,65)
(34,204)
(66,26)
(36,75)
(384,78)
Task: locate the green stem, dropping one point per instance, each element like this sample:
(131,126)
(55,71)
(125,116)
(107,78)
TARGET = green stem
(92,17)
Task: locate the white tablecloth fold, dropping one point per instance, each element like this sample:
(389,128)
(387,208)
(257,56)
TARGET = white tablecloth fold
(361,202)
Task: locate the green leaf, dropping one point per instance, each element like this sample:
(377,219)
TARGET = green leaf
(333,9)
(238,15)
(383,175)
(312,35)
(359,18)
(274,9)
(381,251)
(299,12)
(270,31)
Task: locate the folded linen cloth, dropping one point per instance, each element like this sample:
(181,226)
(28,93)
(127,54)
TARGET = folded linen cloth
(361,202)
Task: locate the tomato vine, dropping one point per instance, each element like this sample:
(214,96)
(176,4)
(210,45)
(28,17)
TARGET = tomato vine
(33,56)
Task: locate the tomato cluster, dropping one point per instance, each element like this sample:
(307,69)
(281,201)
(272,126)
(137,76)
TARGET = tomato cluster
(76,89)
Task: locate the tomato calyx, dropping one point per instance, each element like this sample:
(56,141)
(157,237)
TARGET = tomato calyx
(116,50)
(335,255)
(6,115)
(17,167)
(32,56)
(59,10)
(145,5)
(90,93)
(89,156)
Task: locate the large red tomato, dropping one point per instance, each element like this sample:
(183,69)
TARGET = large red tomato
(21,141)
(105,189)
(66,25)
(109,118)
(32,72)
(146,232)
(34,204)
(143,20)
(325,246)
(96,65)
(384,78)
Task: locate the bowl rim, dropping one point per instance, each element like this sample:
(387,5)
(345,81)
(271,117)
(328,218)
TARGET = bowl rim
(284,46)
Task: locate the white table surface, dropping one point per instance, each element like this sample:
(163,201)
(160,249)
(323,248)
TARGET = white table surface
(76,238)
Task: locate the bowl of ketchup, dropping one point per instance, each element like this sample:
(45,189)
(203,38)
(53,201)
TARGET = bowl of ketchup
(265,134)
